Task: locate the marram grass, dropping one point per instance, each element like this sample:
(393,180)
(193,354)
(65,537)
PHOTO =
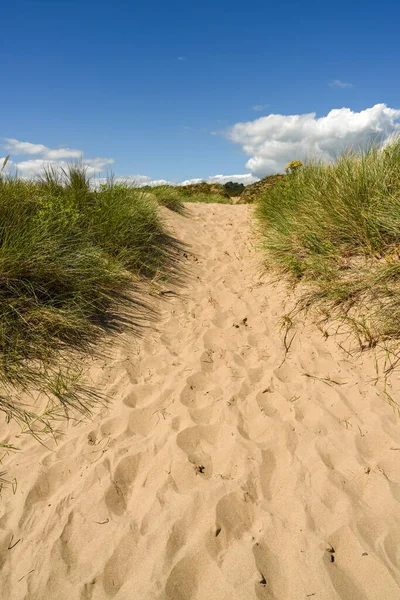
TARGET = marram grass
(71,258)
(336,227)
(175,197)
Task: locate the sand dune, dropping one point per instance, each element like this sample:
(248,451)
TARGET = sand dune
(219,471)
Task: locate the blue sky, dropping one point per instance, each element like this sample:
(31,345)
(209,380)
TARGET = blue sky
(158,87)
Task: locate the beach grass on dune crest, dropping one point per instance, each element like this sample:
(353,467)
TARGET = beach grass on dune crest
(337,228)
(71,258)
(208,198)
(175,197)
(169,197)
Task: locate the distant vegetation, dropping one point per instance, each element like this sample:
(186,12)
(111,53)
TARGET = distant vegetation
(234,189)
(174,196)
(337,228)
(204,189)
(252,192)
(71,258)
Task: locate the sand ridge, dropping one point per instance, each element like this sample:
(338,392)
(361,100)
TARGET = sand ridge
(219,471)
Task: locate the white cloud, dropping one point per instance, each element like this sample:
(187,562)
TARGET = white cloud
(259,107)
(63,153)
(273,141)
(341,84)
(29,168)
(15,147)
(245,178)
(97,165)
(56,157)
(138,181)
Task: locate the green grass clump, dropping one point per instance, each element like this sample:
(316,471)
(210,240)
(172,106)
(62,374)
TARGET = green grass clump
(174,196)
(169,196)
(337,227)
(208,198)
(71,258)
(205,189)
(254,190)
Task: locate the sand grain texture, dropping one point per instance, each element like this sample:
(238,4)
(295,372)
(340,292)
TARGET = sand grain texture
(218,472)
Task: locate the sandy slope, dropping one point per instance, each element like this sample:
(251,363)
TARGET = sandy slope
(217,472)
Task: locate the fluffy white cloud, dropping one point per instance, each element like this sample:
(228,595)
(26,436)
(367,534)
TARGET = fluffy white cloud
(56,157)
(137,180)
(246,178)
(28,168)
(97,165)
(63,153)
(15,147)
(273,141)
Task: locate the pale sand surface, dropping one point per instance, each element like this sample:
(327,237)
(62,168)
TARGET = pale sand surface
(216,473)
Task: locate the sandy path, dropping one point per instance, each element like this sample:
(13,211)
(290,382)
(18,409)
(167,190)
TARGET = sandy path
(217,472)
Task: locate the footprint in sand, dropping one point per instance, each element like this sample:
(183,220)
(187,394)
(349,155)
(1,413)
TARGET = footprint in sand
(116,496)
(199,443)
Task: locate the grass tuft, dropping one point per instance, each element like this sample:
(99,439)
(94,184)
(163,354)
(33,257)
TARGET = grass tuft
(71,261)
(174,197)
(337,228)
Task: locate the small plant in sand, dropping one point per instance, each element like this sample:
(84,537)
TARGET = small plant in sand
(293,166)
